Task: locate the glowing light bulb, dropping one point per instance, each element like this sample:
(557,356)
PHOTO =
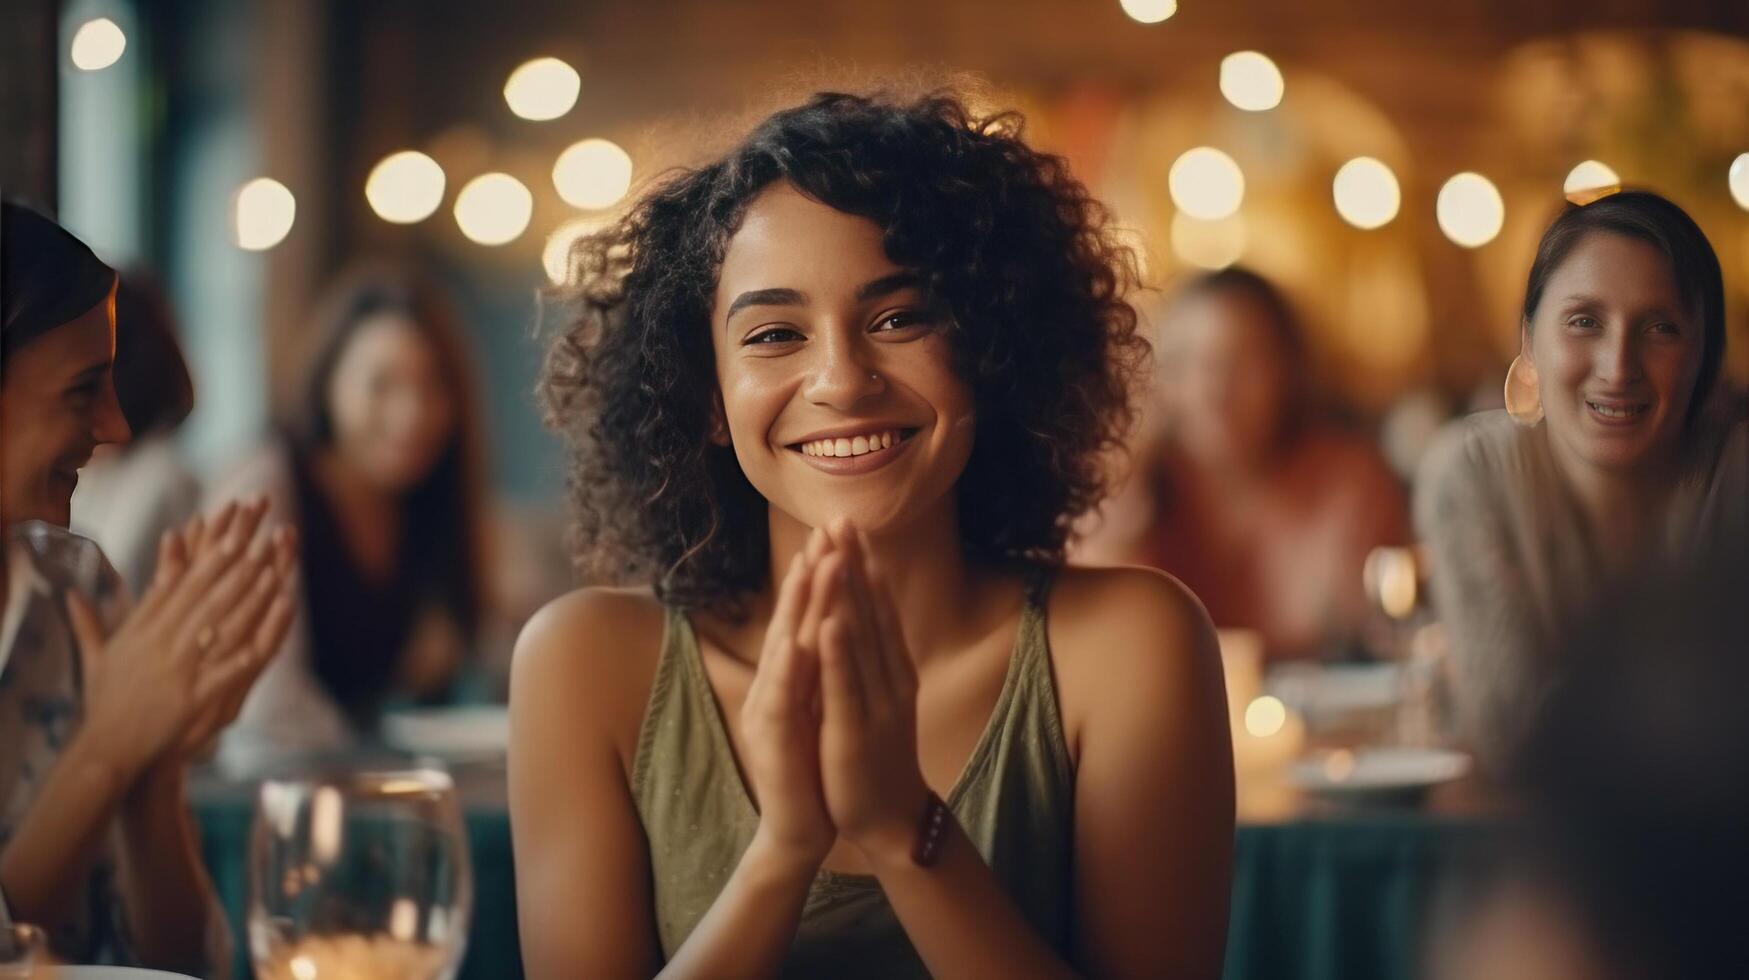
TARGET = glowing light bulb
(405,187)
(97,44)
(1740,180)
(1366,193)
(493,209)
(1250,81)
(1149,11)
(264,213)
(1265,716)
(542,89)
(1589,176)
(1470,210)
(1206,183)
(594,173)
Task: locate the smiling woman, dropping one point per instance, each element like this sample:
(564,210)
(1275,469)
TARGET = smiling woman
(832,402)
(1629,452)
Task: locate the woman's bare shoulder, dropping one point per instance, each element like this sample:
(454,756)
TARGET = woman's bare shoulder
(1114,603)
(1116,633)
(596,648)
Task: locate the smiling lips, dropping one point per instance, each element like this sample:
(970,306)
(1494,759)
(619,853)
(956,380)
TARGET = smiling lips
(1617,411)
(854,454)
(859,445)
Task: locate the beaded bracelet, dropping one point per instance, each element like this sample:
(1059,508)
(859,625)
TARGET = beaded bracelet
(929,830)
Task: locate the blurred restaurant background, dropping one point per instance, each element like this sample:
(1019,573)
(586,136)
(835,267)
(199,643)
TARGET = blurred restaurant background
(1389,165)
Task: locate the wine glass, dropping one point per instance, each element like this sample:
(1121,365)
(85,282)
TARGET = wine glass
(23,952)
(359,874)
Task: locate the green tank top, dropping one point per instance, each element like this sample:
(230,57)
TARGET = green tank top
(1014,799)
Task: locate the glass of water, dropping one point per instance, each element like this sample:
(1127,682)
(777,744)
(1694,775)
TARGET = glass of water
(359,874)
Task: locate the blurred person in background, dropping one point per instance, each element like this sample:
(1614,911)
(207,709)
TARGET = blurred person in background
(1635,777)
(129,494)
(379,469)
(1620,446)
(1243,489)
(104,703)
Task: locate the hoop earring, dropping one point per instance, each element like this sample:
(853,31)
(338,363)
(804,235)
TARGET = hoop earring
(1523,400)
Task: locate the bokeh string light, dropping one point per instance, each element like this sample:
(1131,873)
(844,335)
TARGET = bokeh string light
(1589,176)
(97,44)
(263,214)
(1206,183)
(1150,11)
(405,188)
(493,209)
(542,89)
(1470,210)
(593,174)
(1739,180)
(1366,193)
(1250,81)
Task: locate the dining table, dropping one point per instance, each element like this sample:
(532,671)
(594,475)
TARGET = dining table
(1320,891)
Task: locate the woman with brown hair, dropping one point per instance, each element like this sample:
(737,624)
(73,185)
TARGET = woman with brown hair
(379,469)
(1246,491)
(131,493)
(105,702)
(1622,448)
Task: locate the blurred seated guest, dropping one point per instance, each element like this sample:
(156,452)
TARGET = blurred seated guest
(1260,505)
(1636,775)
(380,472)
(101,708)
(129,494)
(1614,451)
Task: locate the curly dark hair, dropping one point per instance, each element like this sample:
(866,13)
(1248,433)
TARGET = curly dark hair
(1027,264)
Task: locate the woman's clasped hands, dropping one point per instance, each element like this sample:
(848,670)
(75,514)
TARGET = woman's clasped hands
(830,720)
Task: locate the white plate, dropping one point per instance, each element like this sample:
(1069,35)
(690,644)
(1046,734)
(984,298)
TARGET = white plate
(466,732)
(1377,771)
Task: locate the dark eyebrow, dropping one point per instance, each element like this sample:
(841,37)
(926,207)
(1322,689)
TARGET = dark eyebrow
(765,297)
(887,285)
(1580,301)
(89,374)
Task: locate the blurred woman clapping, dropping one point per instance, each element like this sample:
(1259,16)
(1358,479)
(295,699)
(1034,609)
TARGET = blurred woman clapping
(103,706)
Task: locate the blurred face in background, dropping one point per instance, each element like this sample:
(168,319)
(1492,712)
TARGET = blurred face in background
(57,404)
(1617,353)
(1224,379)
(392,413)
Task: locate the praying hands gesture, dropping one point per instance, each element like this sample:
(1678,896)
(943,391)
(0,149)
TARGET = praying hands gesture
(830,720)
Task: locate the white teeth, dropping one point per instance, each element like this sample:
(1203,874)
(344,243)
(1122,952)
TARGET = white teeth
(852,445)
(1613,412)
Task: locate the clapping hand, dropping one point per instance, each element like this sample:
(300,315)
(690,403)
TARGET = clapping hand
(175,671)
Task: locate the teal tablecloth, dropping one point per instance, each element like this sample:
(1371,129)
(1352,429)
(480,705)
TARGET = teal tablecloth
(1344,897)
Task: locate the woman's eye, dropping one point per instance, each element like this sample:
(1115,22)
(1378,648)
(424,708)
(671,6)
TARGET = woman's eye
(1669,329)
(775,335)
(900,320)
(1583,322)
